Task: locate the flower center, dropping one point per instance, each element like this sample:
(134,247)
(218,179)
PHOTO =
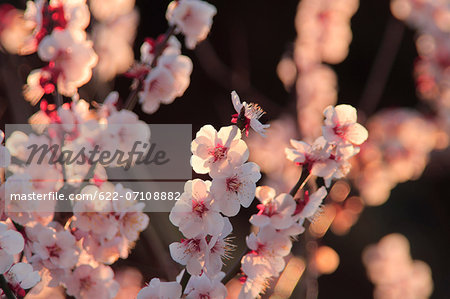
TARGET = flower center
(219,152)
(86,283)
(52,18)
(192,245)
(49,77)
(233,184)
(269,209)
(54,251)
(199,208)
(340,131)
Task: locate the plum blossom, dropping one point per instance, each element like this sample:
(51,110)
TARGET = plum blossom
(191,253)
(214,151)
(71,59)
(160,290)
(122,131)
(193,212)
(113,43)
(315,157)
(22,277)
(247,115)
(393,272)
(341,127)
(167,81)
(173,47)
(54,15)
(200,255)
(219,248)
(235,187)
(193,18)
(107,10)
(200,287)
(108,229)
(11,242)
(87,281)
(273,211)
(310,205)
(53,249)
(268,248)
(265,260)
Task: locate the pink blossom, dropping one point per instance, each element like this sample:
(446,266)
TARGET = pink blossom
(167,81)
(273,211)
(11,242)
(214,151)
(193,212)
(200,287)
(193,18)
(48,16)
(71,59)
(191,253)
(341,127)
(310,204)
(160,290)
(54,249)
(22,276)
(92,282)
(235,187)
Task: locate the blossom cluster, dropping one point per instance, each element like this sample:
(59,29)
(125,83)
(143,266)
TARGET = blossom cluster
(59,38)
(281,218)
(75,253)
(395,275)
(20,276)
(199,212)
(163,74)
(392,154)
(431,21)
(324,35)
(113,35)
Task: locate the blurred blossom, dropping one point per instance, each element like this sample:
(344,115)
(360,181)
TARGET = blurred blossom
(287,72)
(45,17)
(130,281)
(107,10)
(269,154)
(113,43)
(431,19)
(323,27)
(392,154)
(13,28)
(71,59)
(316,89)
(193,18)
(289,278)
(395,275)
(325,260)
(346,215)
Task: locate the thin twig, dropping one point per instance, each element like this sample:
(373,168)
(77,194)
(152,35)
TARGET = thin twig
(382,66)
(184,280)
(4,286)
(300,183)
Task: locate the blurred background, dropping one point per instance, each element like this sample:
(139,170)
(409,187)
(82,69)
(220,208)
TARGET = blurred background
(247,41)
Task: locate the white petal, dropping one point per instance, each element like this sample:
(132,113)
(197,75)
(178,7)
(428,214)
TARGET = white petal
(236,101)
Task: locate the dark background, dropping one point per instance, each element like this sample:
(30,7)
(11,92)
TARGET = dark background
(246,42)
